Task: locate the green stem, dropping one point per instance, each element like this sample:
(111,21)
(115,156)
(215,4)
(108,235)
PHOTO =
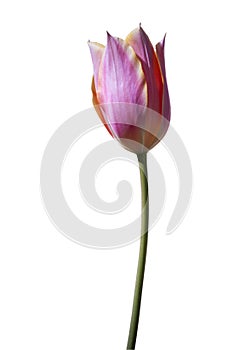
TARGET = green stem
(142,159)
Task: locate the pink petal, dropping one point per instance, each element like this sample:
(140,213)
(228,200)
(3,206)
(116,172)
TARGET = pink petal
(97,106)
(121,82)
(143,48)
(121,78)
(97,51)
(166,111)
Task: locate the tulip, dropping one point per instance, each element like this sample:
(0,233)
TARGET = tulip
(130,95)
(130,90)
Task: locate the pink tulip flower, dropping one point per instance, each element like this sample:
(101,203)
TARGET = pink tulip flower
(130,90)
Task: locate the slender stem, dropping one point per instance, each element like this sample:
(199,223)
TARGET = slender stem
(142,159)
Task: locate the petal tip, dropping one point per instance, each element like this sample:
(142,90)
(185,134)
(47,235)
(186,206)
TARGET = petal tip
(109,37)
(90,43)
(162,42)
(164,38)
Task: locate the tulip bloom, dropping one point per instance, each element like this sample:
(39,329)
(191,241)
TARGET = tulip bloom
(130,90)
(131,97)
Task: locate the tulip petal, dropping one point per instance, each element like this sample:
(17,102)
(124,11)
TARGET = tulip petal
(143,48)
(121,77)
(97,107)
(166,111)
(121,83)
(97,51)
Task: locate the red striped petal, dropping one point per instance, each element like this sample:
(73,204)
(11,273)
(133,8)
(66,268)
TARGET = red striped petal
(143,48)
(166,110)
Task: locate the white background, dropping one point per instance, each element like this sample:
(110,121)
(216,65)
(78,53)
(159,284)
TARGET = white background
(56,294)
